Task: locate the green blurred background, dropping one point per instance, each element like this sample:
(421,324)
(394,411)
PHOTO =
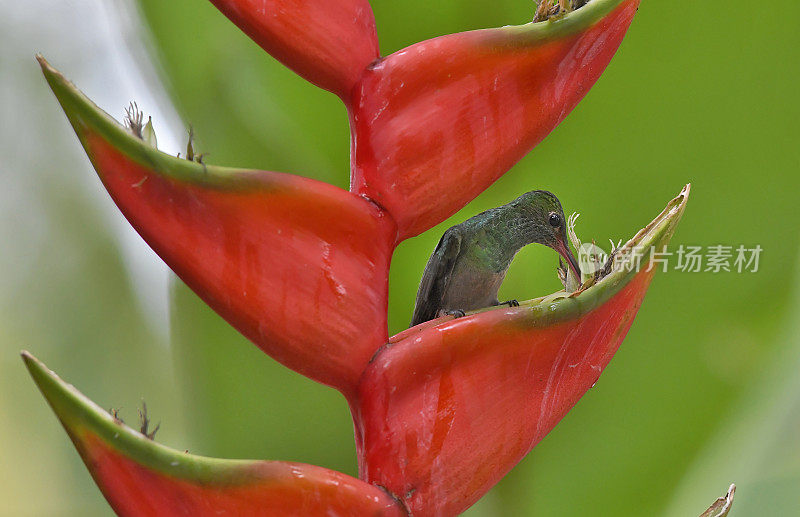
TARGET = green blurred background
(703,392)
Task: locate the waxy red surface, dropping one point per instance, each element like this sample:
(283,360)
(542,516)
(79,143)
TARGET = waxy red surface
(298,266)
(436,123)
(327,42)
(140,477)
(447,411)
(268,488)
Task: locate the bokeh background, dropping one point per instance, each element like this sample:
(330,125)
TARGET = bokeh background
(704,391)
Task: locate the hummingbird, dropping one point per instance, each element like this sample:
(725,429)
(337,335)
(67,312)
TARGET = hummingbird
(471,260)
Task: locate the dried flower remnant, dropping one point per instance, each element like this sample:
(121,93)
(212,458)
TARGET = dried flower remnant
(547,9)
(134,119)
(722,505)
(592,259)
(190,154)
(144,423)
(114,412)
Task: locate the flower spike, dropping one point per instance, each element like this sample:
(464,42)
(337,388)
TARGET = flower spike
(442,410)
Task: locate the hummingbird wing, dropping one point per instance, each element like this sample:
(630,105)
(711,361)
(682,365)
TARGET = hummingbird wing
(436,277)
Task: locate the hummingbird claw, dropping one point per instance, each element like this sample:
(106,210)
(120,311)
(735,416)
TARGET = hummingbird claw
(456,313)
(510,303)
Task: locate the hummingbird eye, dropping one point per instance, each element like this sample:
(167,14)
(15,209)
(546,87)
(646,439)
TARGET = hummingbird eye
(554,220)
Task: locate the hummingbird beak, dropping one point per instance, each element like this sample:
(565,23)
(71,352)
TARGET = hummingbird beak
(565,252)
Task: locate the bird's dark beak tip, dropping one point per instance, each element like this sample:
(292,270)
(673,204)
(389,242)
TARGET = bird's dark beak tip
(565,252)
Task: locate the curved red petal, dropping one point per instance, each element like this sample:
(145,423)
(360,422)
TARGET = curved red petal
(447,410)
(140,477)
(436,123)
(327,42)
(298,266)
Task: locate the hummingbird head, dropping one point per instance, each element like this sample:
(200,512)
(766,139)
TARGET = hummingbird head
(544,223)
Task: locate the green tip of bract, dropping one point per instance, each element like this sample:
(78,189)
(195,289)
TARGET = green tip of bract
(70,406)
(81,417)
(59,394)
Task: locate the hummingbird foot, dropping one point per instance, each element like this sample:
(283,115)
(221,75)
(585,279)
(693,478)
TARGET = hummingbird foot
(510,303)
(456,313)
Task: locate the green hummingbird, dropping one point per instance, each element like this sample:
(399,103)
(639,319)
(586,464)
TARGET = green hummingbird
(470,262)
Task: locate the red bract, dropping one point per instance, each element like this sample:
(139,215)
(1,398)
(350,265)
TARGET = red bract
(327,42)
(443,410)
(447,410)
(140,477)
(298,266)
(438,122)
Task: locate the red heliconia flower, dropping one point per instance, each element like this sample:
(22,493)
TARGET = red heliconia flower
(443,410)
